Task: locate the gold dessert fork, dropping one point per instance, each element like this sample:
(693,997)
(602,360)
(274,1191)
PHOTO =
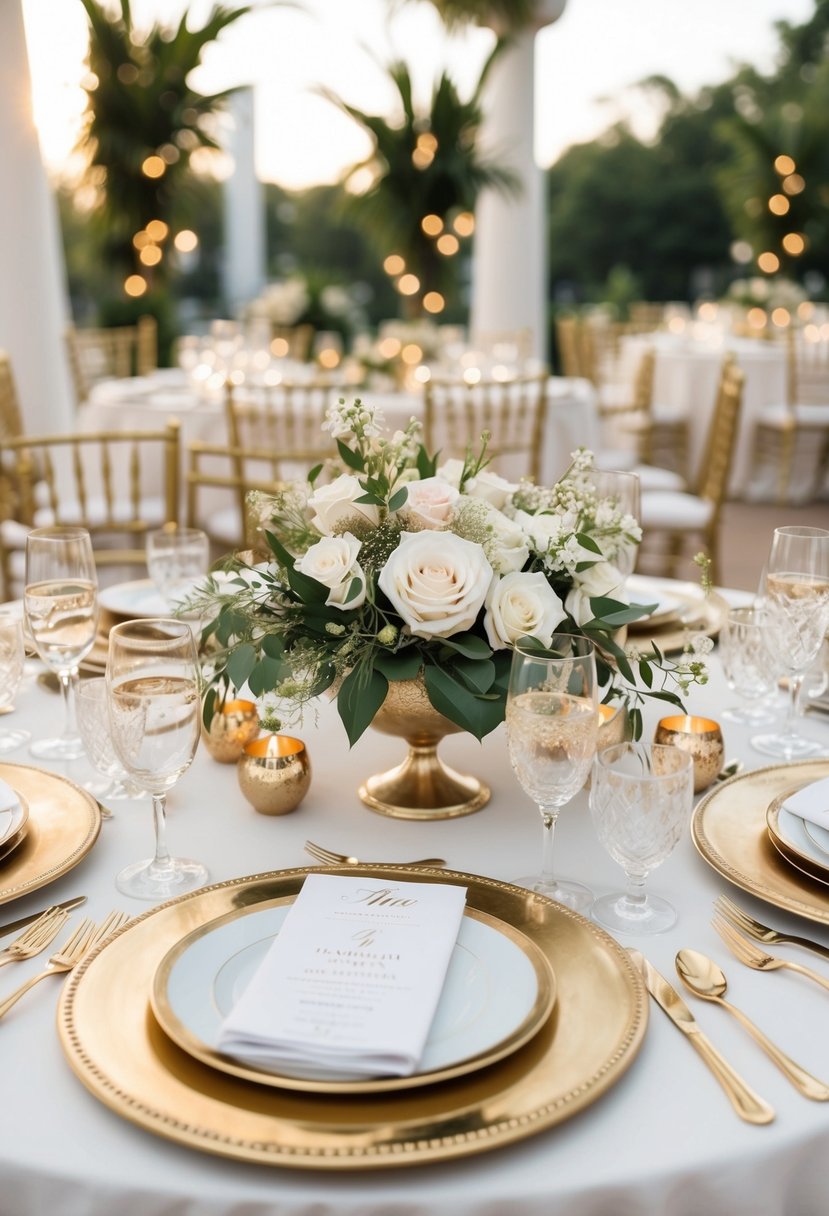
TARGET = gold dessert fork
(78,944)
(762,933)
(746,952)
(37,937)
(328,858)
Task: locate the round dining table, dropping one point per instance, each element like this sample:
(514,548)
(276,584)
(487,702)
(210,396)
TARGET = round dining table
(662,1140)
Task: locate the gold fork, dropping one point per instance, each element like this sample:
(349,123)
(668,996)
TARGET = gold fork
(328,858)
(77,945)
(762,933)
(37,937)
(746,952)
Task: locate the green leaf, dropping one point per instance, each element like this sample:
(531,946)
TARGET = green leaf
(325,678)
(645,673)
(671,697)
(469,645)
(398,498)
(352,460)
(241,663)
(478,715)
(354,588)
(426,464)
(588,543)
(266,675)
(208,707)
(401,666)
(478,674)
(308,589)
(362,693)
(374,500)
(314,473)
(280,552)
(636,723)
(273,645)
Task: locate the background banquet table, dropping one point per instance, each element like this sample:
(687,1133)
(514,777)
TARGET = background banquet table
(686,374)
(663,1140)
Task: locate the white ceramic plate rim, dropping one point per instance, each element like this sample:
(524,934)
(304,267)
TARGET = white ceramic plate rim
(137,598)
(12,819)
(794,832)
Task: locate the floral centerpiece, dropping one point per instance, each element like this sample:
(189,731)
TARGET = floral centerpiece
(405,569)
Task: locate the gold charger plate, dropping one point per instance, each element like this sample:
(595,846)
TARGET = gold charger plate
(195,1046)
(62,827)
(118,1050)
(708,617)
(730,832)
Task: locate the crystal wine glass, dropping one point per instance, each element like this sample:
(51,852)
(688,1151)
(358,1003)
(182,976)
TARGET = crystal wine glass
(92,705)
(155,717)
(552,724)
(176,559)
(797,593)
(747,650)
(11,672)
(61,605)
(622,490)
(640,800)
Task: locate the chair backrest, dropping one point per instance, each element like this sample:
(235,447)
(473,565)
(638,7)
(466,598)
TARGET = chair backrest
(807,368)
(11,422)
(512,411)
(720,442)
(567,341)
(505,345)
(120,351)
(98,481)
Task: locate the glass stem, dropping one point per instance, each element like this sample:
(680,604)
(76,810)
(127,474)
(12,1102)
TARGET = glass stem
(790,725)
(635,896)
(67,688)
(162,859)
(548,818)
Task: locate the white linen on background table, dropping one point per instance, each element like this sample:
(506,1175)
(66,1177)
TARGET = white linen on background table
(663,1142)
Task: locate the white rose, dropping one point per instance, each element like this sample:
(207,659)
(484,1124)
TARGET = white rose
(541,530)
(332,561)
(506,547)
(437,582)
(521,604)
(451,471)
(601,579)
(335,504)
(429,502)
(490,486)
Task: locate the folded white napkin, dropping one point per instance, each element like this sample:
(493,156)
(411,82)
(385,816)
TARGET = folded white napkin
(812,803)
(349,988)
(8,804)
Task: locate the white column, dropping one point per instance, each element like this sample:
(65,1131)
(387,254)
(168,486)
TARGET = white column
(245,259)
(509,268)
(33,302)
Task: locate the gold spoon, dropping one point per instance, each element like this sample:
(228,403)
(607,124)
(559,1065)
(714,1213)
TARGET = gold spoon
(702,976)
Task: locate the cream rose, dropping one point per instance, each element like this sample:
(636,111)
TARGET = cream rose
(451,471)
(332,561)
(601,579)
(491,487)
(506,546)
(437,582)
(518,605)
(336,504)
(429,502)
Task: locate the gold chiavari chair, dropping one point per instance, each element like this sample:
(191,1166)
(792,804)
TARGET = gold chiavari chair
(674,517)
(569,346)
(102,482)
(802,422)
(120,351)
(11,422)
(275,435)
(514,412)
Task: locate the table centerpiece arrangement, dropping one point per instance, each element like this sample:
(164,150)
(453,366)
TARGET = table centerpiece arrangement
(399,585)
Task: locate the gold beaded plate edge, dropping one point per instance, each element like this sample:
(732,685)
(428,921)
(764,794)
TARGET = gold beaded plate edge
(63,825)
(118,1050)
(730,832)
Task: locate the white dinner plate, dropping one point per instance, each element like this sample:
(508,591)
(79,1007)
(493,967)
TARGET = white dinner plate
(499,991)
(803,844)
(642,590)
(12,819)
(139,598)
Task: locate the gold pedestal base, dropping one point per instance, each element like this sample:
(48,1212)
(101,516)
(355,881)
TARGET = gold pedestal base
(423,787)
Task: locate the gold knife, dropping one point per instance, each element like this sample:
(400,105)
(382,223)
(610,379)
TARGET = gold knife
(746,1102)
(14,925)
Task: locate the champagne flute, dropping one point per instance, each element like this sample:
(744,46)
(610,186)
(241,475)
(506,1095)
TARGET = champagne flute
(552,724)
(61,604)
(797,593)
(11,672)
(640,800)
(155,718)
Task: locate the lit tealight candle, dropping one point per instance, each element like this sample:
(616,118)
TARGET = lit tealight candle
(274,774)
(702,738)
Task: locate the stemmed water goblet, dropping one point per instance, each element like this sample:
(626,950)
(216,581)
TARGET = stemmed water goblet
(622,490)
(11,672)
(92,706)
(796,592)
(552,723)
(747,650)
(61,606)
(155,717)
(640,801)
(176,559)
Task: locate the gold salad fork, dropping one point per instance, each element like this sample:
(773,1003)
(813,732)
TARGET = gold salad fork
(78,944)
(40,934)
(328,858)
(762,933)
(747,952)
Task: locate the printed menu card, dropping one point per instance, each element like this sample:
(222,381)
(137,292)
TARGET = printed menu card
(349,987)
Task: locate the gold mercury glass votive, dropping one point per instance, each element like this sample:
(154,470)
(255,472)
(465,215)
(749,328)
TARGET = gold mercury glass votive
(234,725)
(274,774)
(701,737)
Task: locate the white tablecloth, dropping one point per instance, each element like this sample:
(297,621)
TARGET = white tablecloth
(686,377)
(663,1142)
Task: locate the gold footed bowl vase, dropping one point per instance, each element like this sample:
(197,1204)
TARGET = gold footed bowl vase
(422,787)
